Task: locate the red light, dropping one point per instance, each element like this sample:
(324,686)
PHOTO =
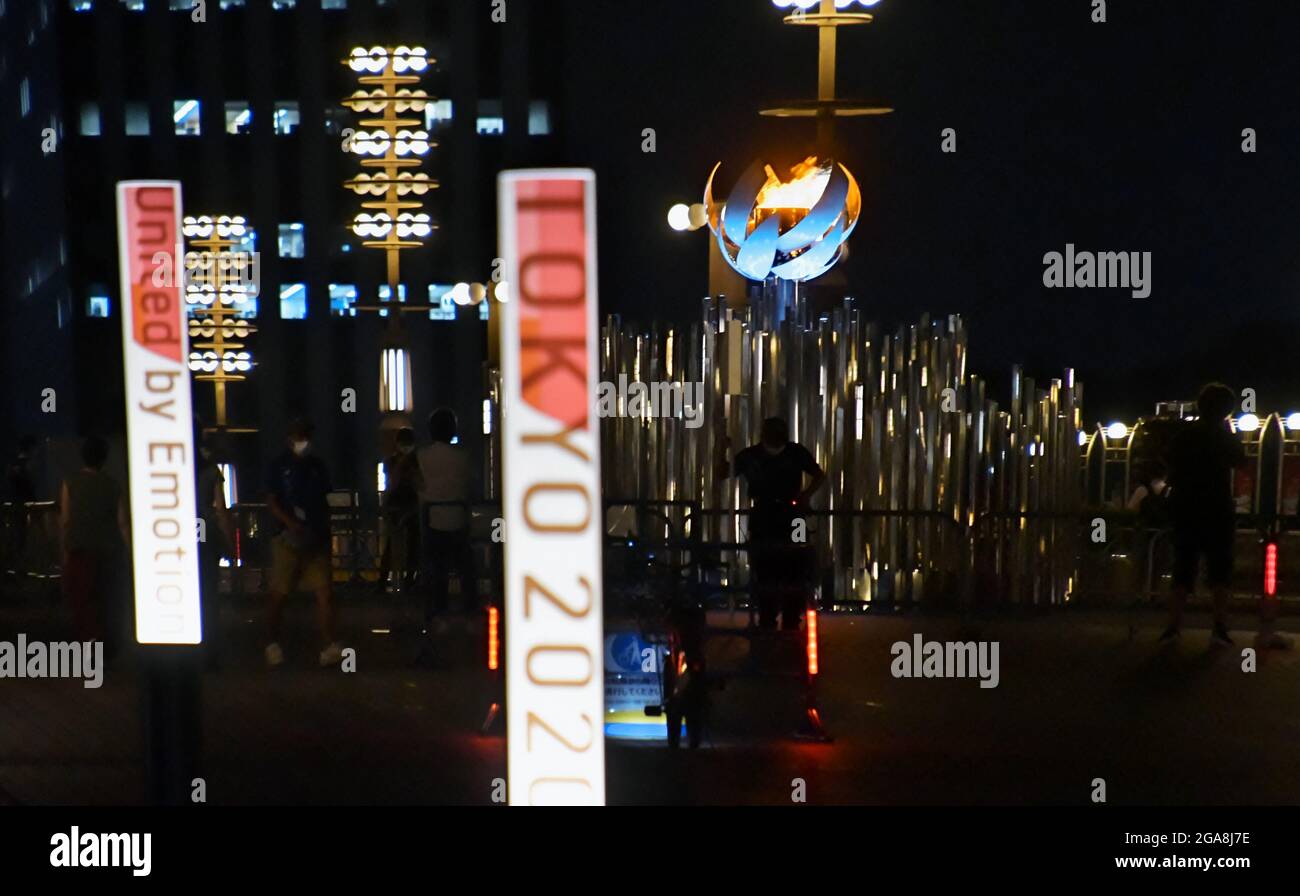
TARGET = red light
(812,642)
(494,640)
(1270,569)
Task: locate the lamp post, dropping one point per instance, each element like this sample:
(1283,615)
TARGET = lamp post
(391,144)
(221,283)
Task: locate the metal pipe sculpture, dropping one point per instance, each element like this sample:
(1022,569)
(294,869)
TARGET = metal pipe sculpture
(935,492)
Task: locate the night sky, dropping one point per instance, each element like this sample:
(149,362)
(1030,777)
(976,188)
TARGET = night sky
(1124,136)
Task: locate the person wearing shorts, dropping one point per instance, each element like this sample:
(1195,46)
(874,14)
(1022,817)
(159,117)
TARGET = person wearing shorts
(298,498)
(1202,459)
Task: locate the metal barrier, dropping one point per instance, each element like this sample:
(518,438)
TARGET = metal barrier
(30,542)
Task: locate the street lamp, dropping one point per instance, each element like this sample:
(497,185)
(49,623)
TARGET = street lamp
(391,144)
(221,283)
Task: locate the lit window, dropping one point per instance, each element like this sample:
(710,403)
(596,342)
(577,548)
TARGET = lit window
(90,126)
(134,5)
(286,117)
(239,117)
(336,119)
(248,242)
(98,304)
(283,4)
(539,118)
(443,306)
(491,118)
(437,113)
(232,4)
(182,5)
(342,297)
(293,301)
(185,114)
(25,97)
(2,9)
(82,6)
(292,242)
(137,120)
(333,4)
(386,295)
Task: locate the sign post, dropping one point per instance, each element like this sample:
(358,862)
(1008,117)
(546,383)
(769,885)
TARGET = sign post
(160,455)
(552,499)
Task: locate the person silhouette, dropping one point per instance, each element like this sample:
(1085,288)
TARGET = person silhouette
(1202,459)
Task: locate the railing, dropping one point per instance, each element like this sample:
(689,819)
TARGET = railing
(1002,559)
(29,541)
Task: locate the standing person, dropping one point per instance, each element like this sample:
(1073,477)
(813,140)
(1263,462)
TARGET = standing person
(218,541)
(95,530)
(20,490)
(401,510)
(298,498)
(445,476)
(774,470)
(1202,459)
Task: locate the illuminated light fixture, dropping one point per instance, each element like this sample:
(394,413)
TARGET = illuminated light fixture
(494,639)
(1083,438)
(391,142)
(814,664)
(1293,422)
(395,394)
(809,4)
(1117,431)
(221,282)
(1248,423)
(791,228)
(1270,569)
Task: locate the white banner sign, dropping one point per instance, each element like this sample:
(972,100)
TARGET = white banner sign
(160,450)
(551,449)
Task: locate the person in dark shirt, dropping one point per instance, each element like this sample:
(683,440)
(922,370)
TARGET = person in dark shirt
(774,471)
(401,502)
(298,497)
(1202,459)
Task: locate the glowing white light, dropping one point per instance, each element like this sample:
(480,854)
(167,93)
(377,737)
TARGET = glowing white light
(1083,438)
(1293,422)
(460,294)
(812,4)
(679,217)
(1117,431)
(1248,423)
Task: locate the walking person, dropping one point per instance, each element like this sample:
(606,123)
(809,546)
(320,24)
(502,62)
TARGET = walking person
(445,488)
(298,497)
(95,530)
(1202,459)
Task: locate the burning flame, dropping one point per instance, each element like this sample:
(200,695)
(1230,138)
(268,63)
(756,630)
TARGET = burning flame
(806,185)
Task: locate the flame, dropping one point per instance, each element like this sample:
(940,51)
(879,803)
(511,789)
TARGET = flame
(806,185)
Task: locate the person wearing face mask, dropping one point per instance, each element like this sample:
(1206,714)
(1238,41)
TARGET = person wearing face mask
(401,511)
(298,498)
(774,471)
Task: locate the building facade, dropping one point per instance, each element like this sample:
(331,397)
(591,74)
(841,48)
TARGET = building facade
(241,101)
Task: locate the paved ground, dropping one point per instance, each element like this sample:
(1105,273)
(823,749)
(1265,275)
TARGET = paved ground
(1083,694)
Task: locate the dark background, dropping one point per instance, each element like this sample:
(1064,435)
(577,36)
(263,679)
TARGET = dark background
(1123,136)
